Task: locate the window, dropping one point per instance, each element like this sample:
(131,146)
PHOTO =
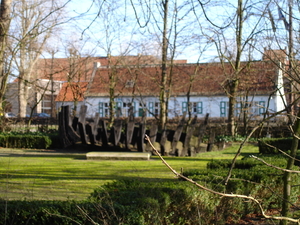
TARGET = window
(262,107)
(251,108)
(238,109)
(47,103)
(156,108)
(223,109)
(142,109)
(129,84)
(126,107)
(195,107)
(118,108)
(153,108)
(103,109)
(258,108)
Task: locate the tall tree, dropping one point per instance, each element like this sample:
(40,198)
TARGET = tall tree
(234,43)
(168,20)
(163,96)
(5,19)
(33,24)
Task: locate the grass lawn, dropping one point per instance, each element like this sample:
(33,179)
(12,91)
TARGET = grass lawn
(27,174)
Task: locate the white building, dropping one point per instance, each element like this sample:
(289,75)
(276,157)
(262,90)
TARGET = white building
(260,89)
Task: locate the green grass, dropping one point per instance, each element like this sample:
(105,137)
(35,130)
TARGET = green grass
(30,175)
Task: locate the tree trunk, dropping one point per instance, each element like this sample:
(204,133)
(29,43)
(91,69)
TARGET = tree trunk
(234,81)
(287,178)
(163,95)
(23,96)
(4,27)
(231,108)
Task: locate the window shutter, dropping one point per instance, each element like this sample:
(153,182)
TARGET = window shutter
(151,107)
(184,107)
(199,108)
(101,110)
(222,109)
(134,110)
(262,108)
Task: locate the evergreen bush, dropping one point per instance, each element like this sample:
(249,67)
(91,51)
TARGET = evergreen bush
(33,140)
(265,144)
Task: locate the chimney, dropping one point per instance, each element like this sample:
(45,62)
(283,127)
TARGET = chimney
(97,65)
(274,55)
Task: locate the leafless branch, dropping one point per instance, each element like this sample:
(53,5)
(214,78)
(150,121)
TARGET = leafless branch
(284,153)
(86,215)
(276,167)
(61,216)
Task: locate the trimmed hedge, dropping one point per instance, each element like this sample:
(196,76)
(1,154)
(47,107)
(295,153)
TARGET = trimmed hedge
(132,202)
(29,140)
(152,202)
(283,144)
(249,177)
(45,212)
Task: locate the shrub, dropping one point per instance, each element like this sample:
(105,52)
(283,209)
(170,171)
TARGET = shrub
(121,202)
(44,212)
(283,144)
(144,202)
(240,164)
(249,177)
(34,140)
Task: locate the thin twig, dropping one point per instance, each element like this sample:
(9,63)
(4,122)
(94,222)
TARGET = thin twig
(61,216)
(87,216)
(276,167)
(284,153)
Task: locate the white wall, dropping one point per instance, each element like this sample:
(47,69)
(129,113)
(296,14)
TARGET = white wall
(210,105)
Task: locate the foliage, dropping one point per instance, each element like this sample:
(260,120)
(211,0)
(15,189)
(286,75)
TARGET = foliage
(151,202)
(249,177)
(33,140)
(265,145)
(236,138)
(121,202)
(43,212)
(140,201)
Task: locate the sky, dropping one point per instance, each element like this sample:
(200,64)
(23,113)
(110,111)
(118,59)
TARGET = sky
(90,37)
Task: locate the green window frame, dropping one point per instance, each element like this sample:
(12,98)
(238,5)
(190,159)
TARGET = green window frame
(184,107)
(198,107)
(223,108)
(151,108)
(101,109)
(262,107)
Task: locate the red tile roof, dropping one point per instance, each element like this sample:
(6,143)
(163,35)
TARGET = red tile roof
(67,69)
(81,68)
(73,91)
(208,79)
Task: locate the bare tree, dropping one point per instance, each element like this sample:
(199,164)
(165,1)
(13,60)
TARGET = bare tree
(5,19)
(34,22)
(233,42)
(168,21)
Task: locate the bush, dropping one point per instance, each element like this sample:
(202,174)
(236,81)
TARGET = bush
(44,212)
(249,177)
(140,202)
(121,202)
(283,144)
(149,202)
(33,140)
(240,164)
